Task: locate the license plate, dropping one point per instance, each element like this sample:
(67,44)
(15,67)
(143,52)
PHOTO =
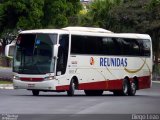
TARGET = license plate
(31,85)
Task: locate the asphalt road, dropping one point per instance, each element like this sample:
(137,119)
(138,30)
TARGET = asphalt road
(22,102)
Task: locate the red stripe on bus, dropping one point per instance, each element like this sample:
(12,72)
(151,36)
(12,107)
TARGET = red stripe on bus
(31,79)
(64,87)
(143,82)
(101,85)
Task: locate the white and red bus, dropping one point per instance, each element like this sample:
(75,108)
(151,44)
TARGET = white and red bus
(81,58)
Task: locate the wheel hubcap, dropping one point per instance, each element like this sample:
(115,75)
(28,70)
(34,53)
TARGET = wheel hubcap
(73,87)
(125,88)
(133,87)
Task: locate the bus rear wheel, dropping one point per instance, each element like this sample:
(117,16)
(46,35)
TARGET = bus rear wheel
(125,87)
(93,92)
(133,88)
(35,92)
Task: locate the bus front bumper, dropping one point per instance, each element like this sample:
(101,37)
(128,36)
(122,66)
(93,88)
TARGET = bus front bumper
(42,85)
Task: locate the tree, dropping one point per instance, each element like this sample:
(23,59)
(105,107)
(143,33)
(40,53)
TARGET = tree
(72,12)
(99,12)
(60,13)
(154,28)
(2,15)
(130,16)
(31,14)
(53,12)
(20,14)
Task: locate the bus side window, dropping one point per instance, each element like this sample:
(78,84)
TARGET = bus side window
(111,46)
(146,48)
(62,54)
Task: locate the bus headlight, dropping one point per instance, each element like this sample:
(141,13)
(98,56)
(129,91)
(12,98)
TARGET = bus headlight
(49,78)
(16,77)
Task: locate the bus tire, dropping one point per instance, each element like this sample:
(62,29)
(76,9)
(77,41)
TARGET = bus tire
(125,87)
(132,88)
(35,92)
(93,92)
(72,88)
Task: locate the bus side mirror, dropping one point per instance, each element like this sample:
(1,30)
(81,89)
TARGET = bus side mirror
(55,51)
(9,50)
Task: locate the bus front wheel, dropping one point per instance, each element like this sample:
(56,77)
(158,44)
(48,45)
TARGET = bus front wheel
(72,87)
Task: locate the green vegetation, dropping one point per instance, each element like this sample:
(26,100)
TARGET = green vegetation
(34,14)
(5,82)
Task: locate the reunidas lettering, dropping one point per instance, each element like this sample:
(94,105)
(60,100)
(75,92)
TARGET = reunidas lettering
(113,62)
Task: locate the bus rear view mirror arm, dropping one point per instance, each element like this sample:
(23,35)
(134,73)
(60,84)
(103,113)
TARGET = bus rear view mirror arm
(9,50)
(55,51)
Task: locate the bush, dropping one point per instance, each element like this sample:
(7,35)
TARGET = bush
(5,62)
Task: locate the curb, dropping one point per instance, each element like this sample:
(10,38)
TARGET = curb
(6,86)
(5,67)
(155,81)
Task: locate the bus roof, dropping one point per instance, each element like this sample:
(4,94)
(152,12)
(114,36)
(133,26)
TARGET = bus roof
(88,31)
(58,31)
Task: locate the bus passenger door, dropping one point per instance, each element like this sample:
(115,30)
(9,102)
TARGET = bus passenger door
(62,56)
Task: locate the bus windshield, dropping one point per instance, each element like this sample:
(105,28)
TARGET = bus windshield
(34,54)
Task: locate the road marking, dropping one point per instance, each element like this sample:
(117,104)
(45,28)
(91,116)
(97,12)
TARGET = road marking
(5,67)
